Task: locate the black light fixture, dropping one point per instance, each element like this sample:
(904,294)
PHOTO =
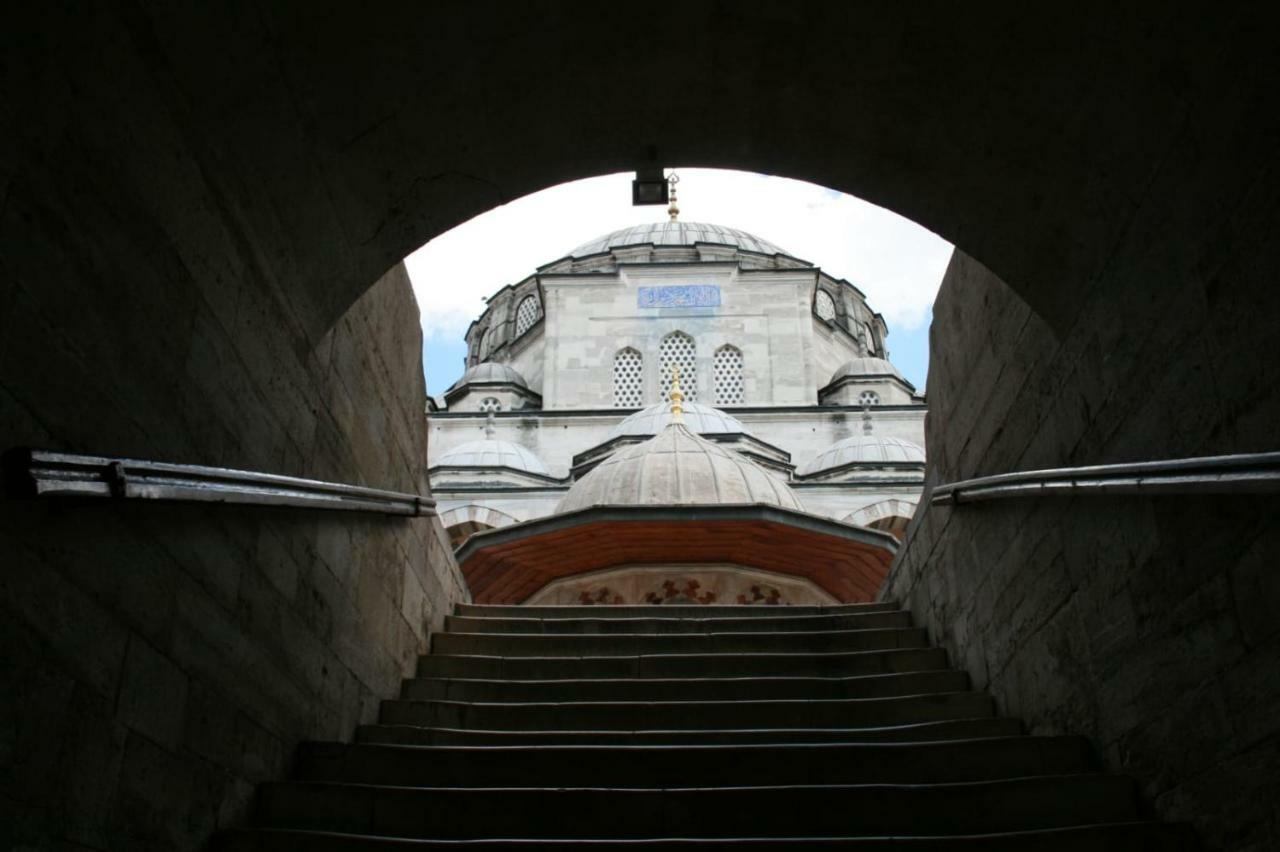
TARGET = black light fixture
(649,187)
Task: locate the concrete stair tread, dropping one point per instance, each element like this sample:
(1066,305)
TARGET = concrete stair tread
(701,664)
(1133,836)
(625,728)
(654,624)
(662,637)
(582,644)
(726,704)
(917,732)
(694,750)
(640,715)
(667,611)
(1012,804)
(631,766)
(728,679)
(997,783)
(511,689)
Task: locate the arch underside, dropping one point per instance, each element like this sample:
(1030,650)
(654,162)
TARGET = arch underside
(192,197)
(357,142)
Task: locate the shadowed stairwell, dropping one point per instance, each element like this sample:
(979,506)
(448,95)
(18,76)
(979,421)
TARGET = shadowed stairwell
(696,727)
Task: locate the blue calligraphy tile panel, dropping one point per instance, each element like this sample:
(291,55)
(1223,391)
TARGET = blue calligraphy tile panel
(682,296)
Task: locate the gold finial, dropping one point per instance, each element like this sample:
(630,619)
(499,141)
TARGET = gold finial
(676,396)
(673,210)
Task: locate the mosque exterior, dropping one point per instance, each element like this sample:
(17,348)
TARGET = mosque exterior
(787,391)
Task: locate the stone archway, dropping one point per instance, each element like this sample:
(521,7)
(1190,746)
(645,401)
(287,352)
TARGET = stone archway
(461,522)
(218,195)
(891,515)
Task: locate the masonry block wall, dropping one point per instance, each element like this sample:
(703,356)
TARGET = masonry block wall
(1146,624)
(161,660)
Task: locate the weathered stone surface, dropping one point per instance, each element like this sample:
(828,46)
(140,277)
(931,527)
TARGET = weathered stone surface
(1147,624)
(168,658)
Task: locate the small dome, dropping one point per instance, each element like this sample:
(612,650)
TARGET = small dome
(677,234)
(490,371)
(866,366)
(676,467)
(490,452)
(700,419)
(863,449)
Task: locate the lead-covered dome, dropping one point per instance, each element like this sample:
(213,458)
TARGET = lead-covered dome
(700,419)
(490,372)
(864,449)
(676,468)
(677,234)
(865,366)
(490,452)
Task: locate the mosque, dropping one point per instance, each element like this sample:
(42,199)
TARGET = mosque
(788,400)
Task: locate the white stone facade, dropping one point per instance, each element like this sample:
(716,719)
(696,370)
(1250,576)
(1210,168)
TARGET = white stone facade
(558,360)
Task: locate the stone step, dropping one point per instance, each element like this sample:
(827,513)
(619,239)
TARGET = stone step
(541,645)
(665,715)
(655,622)
(1107,837)
(684,689)
(837,664)
(700,765)
(777,811)
(993,726)
(675,611)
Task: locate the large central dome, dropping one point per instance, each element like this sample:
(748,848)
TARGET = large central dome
(677,234)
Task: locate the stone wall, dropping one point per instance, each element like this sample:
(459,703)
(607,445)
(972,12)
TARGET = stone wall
(161,660)
(1148,625)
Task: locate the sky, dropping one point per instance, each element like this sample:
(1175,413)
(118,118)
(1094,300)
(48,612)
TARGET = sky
(895,262)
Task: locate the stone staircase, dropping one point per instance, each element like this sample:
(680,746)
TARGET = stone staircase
(609,728)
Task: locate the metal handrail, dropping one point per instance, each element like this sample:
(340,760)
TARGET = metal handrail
(1242,473)
(49,473)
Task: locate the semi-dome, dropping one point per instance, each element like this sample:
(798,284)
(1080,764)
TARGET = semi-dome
(863,449)
(490,371)
(676,467)
(490,452)
(700,419)
(677,234)
(866,366)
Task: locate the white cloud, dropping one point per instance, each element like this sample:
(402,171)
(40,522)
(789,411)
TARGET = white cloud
(897,263)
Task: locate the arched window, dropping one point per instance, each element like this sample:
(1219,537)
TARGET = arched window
(490,403)
(482,345)
(727,369)
(824,306)
(526,314)
(677,349)
(627,368)
(868,397)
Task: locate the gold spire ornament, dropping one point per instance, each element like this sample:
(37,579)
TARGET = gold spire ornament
(676,396)
(673,210)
